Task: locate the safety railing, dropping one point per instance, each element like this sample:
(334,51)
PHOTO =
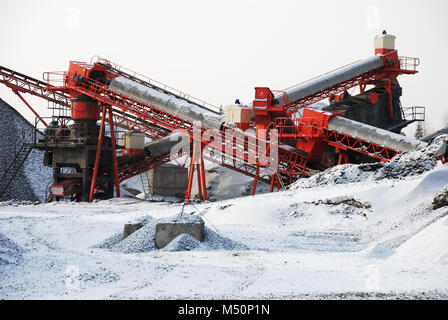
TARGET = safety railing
(55,78)
(415,113)
(181,94)
(58,132)
(409,63)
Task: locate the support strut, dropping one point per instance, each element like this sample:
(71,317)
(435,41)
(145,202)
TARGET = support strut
(31,108)
(98,153)
(114,152)
(202,188)
(254,188)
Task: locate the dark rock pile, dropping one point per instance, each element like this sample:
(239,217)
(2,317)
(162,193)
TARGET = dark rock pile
(31,182)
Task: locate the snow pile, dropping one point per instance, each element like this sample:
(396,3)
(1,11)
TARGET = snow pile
(441,199)
(32,180)
(142,240)
(427,246)
(401,166)
(10,252)
(406,212)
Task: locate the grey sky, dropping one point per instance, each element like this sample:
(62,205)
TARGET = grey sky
(221,50)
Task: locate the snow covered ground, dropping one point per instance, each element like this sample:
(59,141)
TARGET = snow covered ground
(376,237)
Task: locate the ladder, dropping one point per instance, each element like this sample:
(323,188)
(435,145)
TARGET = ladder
(14,167)
(145,183)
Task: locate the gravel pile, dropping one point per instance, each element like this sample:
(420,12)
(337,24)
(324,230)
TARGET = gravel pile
(10,252)
(404,165)
(30,183)
(142,240)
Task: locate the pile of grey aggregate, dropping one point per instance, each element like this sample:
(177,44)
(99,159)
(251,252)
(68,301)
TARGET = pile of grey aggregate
(142,240)
(402,166)
(31,182)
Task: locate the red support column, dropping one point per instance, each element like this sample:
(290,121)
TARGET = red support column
(204,186)
(198,171)
(254,188)
(98,153)
(190,178)
(200,168)
(362,88)
(114,152)
(271,189)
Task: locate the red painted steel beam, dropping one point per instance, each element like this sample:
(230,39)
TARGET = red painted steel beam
(31,108)
(25,84)
(114,152)
(98,153)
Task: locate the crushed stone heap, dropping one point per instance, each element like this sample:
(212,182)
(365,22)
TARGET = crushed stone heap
(403,165)
(143,240)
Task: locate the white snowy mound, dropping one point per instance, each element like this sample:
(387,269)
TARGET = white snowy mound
(10,252)
(427,246)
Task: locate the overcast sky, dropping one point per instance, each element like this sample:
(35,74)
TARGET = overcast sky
(221,50)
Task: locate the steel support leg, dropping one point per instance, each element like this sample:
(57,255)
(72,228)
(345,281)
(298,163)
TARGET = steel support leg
(198,171)
(204,186)
(254,188)
(190,179)
(114,152)
(98,153)
(271,189)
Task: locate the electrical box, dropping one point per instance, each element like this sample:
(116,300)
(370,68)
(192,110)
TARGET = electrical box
(134,139)
(237,114)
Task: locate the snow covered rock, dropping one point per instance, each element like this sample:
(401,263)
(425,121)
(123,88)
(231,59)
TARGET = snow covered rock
(441,199)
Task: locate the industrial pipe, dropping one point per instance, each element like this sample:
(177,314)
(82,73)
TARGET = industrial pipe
(330,79)
(375,135)
(171,104)
(164,145)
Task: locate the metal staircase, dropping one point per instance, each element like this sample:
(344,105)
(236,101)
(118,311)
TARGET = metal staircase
(14,167)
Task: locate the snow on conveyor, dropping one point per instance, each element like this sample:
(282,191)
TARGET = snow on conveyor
(173,105)
(328,80)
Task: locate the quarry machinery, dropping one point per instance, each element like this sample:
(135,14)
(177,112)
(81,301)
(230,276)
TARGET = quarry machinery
(284,127)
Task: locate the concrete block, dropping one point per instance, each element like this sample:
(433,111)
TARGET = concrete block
(168,180)
(166,232)
(130,228)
